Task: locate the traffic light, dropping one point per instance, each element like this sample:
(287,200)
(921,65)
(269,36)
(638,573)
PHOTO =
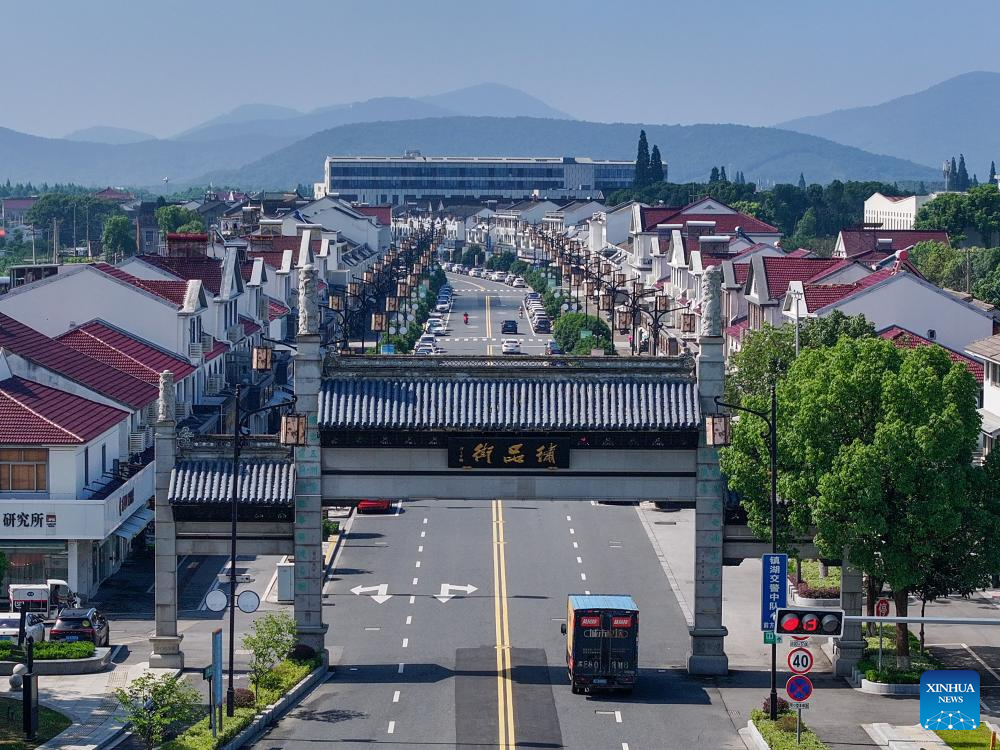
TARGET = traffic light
(826,622)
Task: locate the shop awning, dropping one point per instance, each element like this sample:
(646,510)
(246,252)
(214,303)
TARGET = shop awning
(134,524)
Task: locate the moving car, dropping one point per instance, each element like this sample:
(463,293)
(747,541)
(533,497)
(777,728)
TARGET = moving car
(551,347)
(509,279)
(510,346)
(519,283)
(543,325)
(508,326)
(85,624)
(10,627)
(602,642)
(375,505)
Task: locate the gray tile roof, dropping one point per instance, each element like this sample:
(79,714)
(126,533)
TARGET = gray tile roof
(988,347)
(262,482)
(509,403)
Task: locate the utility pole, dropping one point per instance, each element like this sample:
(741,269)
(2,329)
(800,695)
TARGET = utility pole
(55,240)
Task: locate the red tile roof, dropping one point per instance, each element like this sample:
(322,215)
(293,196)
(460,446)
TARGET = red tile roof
(208,270)
(781,270)
(124,352)
(861,242)
(218,349)
(383,214)
(905,339)
(74,365)
(801,252)
(727,223)
(35,414)
(249,327)
(18,204)
(276,309)
(651,216)
(271,258)
(174,292)
(741,271)
(820,295)
(278,244)
(735,331)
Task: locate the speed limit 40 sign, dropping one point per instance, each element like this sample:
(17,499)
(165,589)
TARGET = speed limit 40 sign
(800,660)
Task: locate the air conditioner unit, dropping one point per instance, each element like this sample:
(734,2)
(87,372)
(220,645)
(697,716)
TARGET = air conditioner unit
(137,442)
(262,310)
(235,333)
(196,350)
(181,410)
(214,384)
(151,412)
(207,342)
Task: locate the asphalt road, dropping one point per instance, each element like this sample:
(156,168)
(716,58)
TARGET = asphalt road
(486,667)
(488,303)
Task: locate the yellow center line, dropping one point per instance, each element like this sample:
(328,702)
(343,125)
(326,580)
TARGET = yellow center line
(505,686)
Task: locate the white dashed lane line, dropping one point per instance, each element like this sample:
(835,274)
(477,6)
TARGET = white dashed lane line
(392,727)
(583,576)
(415,581)
(579,560)
(406,642)
(418,563)
(395,697)
(400,670)
(409,619)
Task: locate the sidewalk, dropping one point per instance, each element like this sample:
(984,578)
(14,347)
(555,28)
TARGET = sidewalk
(837,711)
(89,700)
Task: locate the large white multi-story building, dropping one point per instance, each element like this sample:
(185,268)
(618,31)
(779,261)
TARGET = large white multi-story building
(413,177)
(894,212)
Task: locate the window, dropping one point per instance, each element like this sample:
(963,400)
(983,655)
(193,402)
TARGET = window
(104,457)
(23,469)
(86,466)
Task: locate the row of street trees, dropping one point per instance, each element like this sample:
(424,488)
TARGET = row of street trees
(875,447)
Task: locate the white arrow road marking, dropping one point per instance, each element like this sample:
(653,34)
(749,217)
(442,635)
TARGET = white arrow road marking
(448,589)
(381,596)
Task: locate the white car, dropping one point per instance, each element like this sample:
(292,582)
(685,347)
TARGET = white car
(499,276)
(508,279)
(427,339)
(510,346)
(442,307)
(435,327)
(519,283)
(10,626)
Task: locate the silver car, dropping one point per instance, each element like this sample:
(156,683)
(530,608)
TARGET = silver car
(10,625)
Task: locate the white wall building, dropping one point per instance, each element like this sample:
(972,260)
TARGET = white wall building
(894,212)
(988,350)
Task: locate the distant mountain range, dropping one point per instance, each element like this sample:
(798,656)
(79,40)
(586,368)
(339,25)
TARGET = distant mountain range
(959,115)
(107,134)
(264,145)
(690,150)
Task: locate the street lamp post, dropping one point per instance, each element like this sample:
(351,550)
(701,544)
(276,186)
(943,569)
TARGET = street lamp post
(719,435)
(261,362)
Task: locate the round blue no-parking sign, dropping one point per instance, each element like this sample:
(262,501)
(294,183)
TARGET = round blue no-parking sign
(799,688)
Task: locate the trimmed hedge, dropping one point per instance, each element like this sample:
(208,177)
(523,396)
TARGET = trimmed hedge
(780,734)
(50,650)
(919,660)
(283,678)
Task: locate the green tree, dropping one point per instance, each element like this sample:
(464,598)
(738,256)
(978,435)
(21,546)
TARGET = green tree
(962,181)
(501,262)
(566,330)
(118,238)
(940,264)
(807,227)
(993,174)
(983,211)
(714,175)
(270,639)
(642,162)
(585,347)
(155,705)
(77,216)
(947,212)
(173,218)
(655,166)
(750,208)
(802,181)
(4,562)
(722,175)
(954,182)
(988,288)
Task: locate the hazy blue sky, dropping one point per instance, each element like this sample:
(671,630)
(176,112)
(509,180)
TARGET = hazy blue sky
(162,67)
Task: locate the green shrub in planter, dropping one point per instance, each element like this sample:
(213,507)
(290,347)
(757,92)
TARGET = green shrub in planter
(48,650)
(778,737)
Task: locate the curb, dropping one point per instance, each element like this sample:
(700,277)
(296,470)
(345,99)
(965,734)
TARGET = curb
(883,688)
(275,711)
(59,667)
(756,739)
(345,529)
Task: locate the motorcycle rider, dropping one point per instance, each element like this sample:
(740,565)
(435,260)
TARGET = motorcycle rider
(465,317)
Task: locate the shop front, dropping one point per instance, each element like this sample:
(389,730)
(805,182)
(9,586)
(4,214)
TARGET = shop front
(82,542)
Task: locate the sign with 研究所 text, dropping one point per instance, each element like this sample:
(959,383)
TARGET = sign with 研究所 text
(508,453)
(773,587)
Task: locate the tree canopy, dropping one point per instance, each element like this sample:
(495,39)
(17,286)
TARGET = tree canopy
(118,238)
(178,219)
(875,456)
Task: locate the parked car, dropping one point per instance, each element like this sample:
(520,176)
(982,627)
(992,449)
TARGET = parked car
(551,347)
(543,325)
(509,279)
(510,346)
(427,339)
(85,624)
(10,626)
(375,505)
(443,306)
(499,276)
(508,326)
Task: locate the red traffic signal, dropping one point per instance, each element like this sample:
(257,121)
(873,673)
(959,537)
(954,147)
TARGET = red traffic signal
(825,622)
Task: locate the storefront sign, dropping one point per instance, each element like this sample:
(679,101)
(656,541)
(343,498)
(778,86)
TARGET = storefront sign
(508,453)
(22,520)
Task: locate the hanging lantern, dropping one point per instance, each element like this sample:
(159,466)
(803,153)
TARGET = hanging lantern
(620,279)
(293,429)
(687,322)
(262,357)
(624,323)
(662,303)
(605,302)
(378,322)
(717,428)
(353,289)
(392,304)
(336,302)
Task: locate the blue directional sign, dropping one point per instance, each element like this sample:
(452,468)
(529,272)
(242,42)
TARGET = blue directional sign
(773,588)
(217,665)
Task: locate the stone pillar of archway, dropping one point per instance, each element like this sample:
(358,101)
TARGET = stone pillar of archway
(308,529)
(166,641)
(850,647)
(708,655)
